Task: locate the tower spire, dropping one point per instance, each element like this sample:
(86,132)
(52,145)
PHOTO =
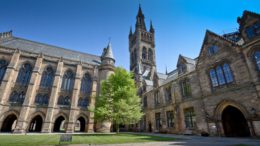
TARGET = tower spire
(140,19)
(130,33)
(151,27)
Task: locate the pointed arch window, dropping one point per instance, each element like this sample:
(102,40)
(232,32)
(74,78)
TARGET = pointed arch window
(221,78)
(3,67)
(221,75)
(47,78)
(213,77)
(227,73)
(42,99)
(17,97)
(24,74)
(68,81)
(83,102)
(257,59)
(64,100)
(150,54)
(86,84)
(144,53)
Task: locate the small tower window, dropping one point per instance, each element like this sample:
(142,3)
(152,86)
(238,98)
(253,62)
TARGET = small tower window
(150,55)
(144,53)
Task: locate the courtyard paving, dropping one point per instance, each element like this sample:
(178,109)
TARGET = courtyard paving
(184,140)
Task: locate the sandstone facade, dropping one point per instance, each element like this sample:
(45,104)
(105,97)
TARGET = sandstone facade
(48,89)
(216,93)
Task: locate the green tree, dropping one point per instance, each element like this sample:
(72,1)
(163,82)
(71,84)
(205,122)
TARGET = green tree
(118,101)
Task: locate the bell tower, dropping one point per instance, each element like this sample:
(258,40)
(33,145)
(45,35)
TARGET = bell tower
(142,49)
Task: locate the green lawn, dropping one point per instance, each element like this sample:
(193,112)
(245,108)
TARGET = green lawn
(36,140)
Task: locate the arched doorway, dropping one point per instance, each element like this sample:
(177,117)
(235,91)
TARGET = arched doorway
(9,123)
(59,125)
(234,123)
(80,125)
(36,124)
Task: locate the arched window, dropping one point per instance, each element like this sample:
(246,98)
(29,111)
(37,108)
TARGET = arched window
(64,100)
(17,97)
(144,53)
(135,56)
(221,75)
(24,74)
(3,67)
(150,55)
(213,78)
(83,102)
(42,99)
(47,78)
(228,73)
(86,84)
(257,59)
(68,81)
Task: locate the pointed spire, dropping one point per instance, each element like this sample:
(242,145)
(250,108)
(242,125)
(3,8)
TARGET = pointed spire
(107,52)
(140,13)
(166,72)
(140,19)
(130,33)
(151,27)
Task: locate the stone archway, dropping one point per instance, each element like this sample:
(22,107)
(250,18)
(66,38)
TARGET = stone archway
(59,125)
(9,123)
(234,123)
(226,112)
(80,125)
(36,124)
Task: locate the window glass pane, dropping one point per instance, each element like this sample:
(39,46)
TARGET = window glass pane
(190,119)
(257,59)
(213,78)
(228,73)
(3,67)
(144,53)
(220,75)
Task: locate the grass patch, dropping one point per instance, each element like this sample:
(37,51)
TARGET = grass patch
(37,140)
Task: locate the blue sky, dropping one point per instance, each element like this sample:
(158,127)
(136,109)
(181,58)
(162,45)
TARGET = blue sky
(86,25)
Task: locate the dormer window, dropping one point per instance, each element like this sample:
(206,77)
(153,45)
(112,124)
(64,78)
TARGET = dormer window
(253,30)
(213,50)
(181,68)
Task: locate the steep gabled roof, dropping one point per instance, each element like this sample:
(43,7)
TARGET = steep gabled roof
(209,34)
(37,47)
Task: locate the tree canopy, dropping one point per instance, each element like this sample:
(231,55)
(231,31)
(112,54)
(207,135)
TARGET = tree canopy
(118,101)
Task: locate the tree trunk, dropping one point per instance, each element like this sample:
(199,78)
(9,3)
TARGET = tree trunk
(117,128)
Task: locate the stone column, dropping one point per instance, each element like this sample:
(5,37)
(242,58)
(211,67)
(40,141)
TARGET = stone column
(92,102)
(48,122)
(9,78)
(74,100)
(8,81)
(23,122)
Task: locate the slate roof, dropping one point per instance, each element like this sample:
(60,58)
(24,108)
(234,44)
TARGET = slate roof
(108,53)
(45,49)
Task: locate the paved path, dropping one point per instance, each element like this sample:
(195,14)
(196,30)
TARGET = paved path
(183,140)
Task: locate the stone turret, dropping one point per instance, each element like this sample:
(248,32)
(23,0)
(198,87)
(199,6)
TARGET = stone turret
(105,70)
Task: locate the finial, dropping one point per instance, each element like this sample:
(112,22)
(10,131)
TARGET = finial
(166,72)
(151,26)
(130,33)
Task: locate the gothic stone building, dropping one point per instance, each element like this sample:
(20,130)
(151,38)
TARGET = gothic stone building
(48,89)
(217,93)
